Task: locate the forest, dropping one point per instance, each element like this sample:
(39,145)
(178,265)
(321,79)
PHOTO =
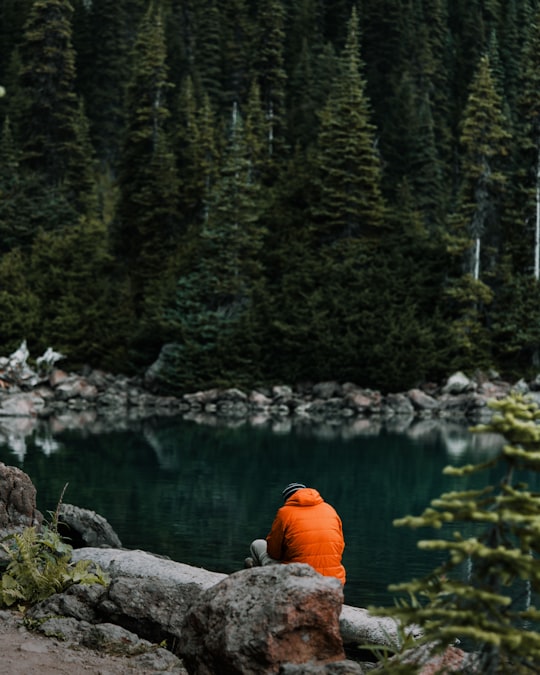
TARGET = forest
(244,193)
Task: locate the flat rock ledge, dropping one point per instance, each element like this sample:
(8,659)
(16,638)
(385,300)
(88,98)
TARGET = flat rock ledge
(185,582)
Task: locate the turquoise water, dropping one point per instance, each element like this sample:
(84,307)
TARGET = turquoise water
(199,494)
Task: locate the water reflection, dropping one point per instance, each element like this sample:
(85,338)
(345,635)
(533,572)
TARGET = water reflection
(199,493)
(456,438)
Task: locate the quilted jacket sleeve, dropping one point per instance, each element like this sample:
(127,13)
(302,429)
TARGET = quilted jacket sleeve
(275,538)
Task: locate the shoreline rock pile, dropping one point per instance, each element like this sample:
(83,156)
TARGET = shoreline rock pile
(50,392)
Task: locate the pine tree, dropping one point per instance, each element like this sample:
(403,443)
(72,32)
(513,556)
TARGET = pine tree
(426,175)
(302,106)
(14,14)
(236,51)
(207,63)
(146,229)
(437,67)
(270,73)
(485,146)
(70,272)
(103,70)
(469,39)
(27,203)
(197,153)
(474,240)
(349,169)
(490,607)
(19,304)
(50,123)
(523,240)
(211,319)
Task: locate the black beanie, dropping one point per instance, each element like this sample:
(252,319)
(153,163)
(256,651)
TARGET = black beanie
(291,489)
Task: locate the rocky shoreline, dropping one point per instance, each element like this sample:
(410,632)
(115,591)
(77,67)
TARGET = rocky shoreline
(52,393)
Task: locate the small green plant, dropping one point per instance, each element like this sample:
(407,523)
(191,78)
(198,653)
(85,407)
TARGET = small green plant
(40,565)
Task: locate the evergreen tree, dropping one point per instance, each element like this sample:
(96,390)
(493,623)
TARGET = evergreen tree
(469,38)
(475,236)
(302,107)
(426,176)
(50,123)
(485,143)
(146,229)
(256,135)
(197,154)
(181,36)
(524,233)
(490,606)
(207,64)
(70,273)
(19,303)
(349,169)
(14,14)
(437,68)
(236,51)
(103,70)
(27,203)
(271,76)
(515,324)
(212,317)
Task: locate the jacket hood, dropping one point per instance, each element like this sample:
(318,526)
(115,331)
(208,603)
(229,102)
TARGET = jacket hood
(304,497)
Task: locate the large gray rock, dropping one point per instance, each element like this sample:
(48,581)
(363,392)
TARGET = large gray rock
(148,595)
(359,627)
(83,527)
(256,620)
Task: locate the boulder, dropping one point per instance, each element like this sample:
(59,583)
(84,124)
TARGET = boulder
(423,402)
(458,383)
(359,627)
(256,620)
(82,527)
(398,404)
(76,387)
(17,501)
(148,594)
(23,404)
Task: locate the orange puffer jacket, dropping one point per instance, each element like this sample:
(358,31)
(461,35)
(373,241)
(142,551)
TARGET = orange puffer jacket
(308,530)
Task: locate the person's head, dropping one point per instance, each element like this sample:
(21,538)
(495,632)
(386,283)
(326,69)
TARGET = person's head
(291,489)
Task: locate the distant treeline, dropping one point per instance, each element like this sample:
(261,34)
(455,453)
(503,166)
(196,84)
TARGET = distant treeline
(275,191)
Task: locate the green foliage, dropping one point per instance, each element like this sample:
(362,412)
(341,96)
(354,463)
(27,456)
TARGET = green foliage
(51,127)
(212,319)
(489,607)
(39,566)
(145,233)
(19,304)
(348,171)
(69,269)
(357,116)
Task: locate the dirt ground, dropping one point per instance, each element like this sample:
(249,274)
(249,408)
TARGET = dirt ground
(24,652)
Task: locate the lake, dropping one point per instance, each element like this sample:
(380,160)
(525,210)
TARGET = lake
(199,493)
